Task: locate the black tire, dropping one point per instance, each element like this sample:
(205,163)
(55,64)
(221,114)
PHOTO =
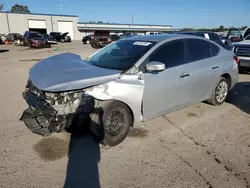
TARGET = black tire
(101,122)
(62,40)
(214,100)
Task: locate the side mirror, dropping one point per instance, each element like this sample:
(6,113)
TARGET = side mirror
(155,66)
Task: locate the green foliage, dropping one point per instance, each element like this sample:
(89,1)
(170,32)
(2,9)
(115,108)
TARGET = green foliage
(219,29)
(20,8)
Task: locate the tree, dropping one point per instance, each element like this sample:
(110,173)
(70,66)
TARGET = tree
(1,7)
(243,27)
(20,8)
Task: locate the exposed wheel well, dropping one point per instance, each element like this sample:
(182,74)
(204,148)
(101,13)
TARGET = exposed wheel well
(229,79)
(128,108)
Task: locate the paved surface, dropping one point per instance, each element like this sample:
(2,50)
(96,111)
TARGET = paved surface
(199,146)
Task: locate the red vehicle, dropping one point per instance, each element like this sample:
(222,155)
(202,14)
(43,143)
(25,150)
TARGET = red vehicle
(100,39)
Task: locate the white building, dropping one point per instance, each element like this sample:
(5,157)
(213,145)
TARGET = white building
(46,23)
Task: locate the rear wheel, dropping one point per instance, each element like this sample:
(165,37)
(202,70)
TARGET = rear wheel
(110,122)
(220,92)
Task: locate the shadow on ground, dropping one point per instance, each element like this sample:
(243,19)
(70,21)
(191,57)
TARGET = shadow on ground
(239,96)
(84,156)
(2,51)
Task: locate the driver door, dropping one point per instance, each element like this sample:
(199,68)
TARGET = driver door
(168,89)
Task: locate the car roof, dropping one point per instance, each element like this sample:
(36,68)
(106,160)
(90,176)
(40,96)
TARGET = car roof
(160,37)
(193,32)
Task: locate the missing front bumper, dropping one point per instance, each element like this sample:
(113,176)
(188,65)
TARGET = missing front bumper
(39,117)
(43,119)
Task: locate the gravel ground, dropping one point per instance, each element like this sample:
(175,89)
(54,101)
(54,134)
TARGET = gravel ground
(198,146)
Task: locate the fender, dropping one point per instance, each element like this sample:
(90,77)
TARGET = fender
(128,89)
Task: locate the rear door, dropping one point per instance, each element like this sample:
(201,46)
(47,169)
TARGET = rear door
(203,65)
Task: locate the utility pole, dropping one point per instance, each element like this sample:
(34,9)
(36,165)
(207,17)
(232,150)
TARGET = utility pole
(61,9)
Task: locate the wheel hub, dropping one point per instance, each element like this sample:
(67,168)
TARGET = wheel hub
(114,123)
(221,92)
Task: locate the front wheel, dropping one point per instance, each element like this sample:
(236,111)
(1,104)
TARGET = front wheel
(220,92)
(62,40)
(111,122)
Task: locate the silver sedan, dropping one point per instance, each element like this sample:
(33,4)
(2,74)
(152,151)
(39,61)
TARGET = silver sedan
(129,81)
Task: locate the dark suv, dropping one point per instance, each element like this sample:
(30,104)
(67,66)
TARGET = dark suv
(61,37)
(35,39)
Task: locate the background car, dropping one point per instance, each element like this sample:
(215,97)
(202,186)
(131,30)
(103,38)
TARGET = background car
(35,39)
(128,34)
(241,46)
(87,39)
(11,37)
(209,35)
(61,37)
(114,37)
(3,37)
(50,39)
(100,39)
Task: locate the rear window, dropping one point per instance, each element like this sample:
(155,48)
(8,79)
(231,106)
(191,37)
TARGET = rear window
(197,50)
(214,49)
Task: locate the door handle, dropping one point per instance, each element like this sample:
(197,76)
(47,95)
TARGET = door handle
(184,75)
(215,67)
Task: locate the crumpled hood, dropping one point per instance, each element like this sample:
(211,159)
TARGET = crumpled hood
(66,72)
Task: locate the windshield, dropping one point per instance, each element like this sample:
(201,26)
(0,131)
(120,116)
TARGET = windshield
(38,35)
(120,55)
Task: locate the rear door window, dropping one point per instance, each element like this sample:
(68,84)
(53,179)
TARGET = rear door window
(197,49)
(171,54)
(214,49)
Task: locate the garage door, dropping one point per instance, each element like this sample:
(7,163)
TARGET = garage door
(37,25)
(64,27)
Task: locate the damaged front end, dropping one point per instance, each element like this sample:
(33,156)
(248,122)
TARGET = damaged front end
(55,112)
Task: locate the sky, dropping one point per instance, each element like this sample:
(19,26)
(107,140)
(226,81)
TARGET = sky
(179,13)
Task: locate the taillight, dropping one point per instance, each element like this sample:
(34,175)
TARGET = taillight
(236,59)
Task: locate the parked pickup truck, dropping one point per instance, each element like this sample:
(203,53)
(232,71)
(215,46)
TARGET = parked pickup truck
(241,46)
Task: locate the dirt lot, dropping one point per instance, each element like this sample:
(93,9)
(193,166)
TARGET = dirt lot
(199,146)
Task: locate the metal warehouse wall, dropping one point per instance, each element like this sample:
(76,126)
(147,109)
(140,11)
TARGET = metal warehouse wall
(18,23)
